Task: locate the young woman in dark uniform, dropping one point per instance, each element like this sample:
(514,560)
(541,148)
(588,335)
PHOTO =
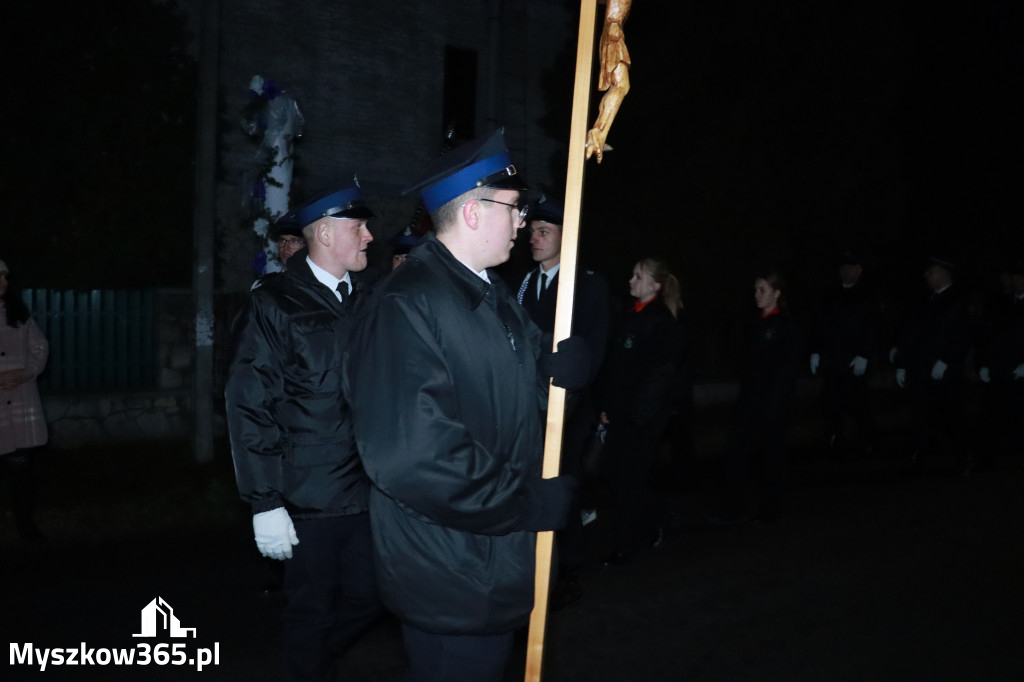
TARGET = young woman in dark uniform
(636,399)
(767,383)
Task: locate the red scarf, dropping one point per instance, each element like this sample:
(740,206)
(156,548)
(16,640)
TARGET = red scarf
(640,305)
(773,311)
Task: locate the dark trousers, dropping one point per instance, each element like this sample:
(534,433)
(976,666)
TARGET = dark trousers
(1004,416)
(17,469)
(758,459)
(938,410)
(580,423)
(843,394)
(679,433)
(630,453)
(331,594)
(456,658)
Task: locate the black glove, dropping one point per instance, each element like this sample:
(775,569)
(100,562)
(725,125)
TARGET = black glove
(547,502)
(569,368)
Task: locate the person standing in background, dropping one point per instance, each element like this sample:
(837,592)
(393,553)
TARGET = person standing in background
(23,354)
(1000,361)
(289,239)
(636,400)
(931,352)
(842,344)
(760,451)
(538,293)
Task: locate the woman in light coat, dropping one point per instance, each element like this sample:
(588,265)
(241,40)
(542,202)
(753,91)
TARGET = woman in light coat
(23,353)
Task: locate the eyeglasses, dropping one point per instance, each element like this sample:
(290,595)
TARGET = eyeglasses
(291,242)
(522,210)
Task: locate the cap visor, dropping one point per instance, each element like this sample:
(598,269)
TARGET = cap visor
(356,213)
(511,182)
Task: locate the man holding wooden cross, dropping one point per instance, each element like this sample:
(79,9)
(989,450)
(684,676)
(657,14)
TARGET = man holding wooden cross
(450,378)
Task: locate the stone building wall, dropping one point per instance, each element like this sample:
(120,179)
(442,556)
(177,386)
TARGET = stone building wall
(75,421)
(370,90)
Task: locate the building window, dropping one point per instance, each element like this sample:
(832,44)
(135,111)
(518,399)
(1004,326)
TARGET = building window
(460,91)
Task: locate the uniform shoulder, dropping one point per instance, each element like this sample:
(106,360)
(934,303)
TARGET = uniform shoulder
(265,280)
(269,283)
(412,279)
(591,280)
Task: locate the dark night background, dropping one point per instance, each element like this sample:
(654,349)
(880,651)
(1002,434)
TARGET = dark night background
(757,133)
(99,131)
(752,133)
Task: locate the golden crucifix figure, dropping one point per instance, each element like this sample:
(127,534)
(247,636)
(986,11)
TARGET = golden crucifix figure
(614,77)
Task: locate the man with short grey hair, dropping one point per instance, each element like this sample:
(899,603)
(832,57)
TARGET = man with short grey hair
(291,434)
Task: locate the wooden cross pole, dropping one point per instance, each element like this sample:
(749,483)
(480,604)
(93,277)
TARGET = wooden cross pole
(563,319)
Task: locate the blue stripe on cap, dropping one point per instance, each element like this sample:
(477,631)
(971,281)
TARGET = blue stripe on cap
(311,212)
(441,193)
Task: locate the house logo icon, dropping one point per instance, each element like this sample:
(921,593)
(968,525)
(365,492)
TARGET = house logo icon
(158,617)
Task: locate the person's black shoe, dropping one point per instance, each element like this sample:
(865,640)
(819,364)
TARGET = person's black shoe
(269,588)
(616,558)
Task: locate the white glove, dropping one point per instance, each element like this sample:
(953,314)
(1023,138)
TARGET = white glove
(892,355)
(901,377)
(860,365)
(275,533)
(939,370)
(815,362)
(983,375)
(1018,371)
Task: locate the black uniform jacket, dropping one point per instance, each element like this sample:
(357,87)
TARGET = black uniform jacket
(589,314)
(769,371)
(637,386)
(1001,347)
(289,422)
(443,372)
(938,329)
(848,325)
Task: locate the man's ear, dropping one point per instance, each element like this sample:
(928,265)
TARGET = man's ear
(322,233)
(471,213)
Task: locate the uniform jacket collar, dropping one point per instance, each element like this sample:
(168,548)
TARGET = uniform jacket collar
(298,269)
(435,255)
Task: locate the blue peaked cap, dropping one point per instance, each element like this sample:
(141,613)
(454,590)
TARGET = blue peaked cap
(336,203)
(484,162)
(345,203)
(549,211)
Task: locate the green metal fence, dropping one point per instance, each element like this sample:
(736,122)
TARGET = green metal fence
(99,340)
